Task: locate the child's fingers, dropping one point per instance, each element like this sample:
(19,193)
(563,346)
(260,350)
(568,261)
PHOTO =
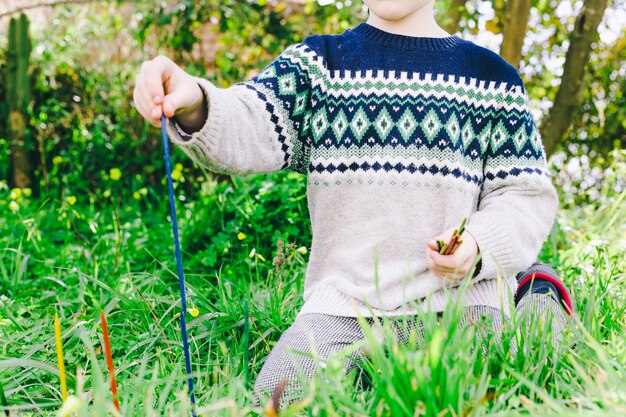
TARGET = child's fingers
(141,105)
(185,97)
(146,113)
(155,73)
(445,273)
(440,271)
(443,267)
(174,101)
(169,108)
(153,80)
(445,237)
(141,90)
(144,103)
(446,261)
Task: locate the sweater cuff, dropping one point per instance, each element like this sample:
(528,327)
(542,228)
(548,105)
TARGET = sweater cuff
(183,133)
(494,243)
(478,267)
(194,139)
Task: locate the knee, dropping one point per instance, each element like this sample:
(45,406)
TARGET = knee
(544,308)
(281,377)
(541,312)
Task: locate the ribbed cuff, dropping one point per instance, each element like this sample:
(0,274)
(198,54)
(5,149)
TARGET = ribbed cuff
(494,244)
(203,146)
(478,268)
(183,135)
(207,132)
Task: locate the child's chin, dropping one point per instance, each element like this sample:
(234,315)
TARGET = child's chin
(393,10)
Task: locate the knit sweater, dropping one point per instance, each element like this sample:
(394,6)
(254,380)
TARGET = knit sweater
(400,138)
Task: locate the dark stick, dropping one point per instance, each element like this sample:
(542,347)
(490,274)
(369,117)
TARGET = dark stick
(246,341)
(451,245)
(179,264)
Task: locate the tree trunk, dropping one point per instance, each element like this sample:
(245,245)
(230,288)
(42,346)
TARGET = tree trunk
(515,22)
(18,99)
(568,97)
(20,162)
(453,16)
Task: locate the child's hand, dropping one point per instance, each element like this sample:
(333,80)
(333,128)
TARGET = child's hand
(452,267)
(162,87)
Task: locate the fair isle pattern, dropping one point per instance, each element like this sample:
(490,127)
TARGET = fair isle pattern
(400,138)
(434,124)
(284,88)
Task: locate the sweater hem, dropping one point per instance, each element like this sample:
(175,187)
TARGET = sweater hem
(327,299)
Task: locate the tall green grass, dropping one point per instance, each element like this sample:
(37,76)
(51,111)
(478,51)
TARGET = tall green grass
(79,259)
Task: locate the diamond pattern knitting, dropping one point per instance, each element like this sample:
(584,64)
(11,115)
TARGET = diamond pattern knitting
(400,138)
(422,109)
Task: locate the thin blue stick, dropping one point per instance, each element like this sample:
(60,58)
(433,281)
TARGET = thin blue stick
(179,263)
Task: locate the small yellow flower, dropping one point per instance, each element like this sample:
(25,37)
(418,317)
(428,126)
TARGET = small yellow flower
(71,200)
(178,167)
(115,174)
(137,195)
(176,175)
(143,191)
(301,250)
(27,192)
(15,194)
(71,404)
(57,160)
(13,206)
(193,311)
(241,236)
(252,252)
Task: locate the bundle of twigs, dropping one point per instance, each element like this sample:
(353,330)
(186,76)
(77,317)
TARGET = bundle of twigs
(455,241)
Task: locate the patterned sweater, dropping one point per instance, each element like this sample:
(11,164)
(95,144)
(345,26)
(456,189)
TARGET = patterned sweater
(400,137)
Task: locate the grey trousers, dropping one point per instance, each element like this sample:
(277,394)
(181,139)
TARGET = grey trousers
(323,335)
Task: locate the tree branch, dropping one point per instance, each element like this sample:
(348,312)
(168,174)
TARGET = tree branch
(454,15)
(514,27)
(20,9)
(569,95)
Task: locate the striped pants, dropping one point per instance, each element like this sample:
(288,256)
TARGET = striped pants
(322,335)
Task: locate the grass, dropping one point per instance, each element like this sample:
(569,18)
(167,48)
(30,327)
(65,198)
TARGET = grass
(116,256)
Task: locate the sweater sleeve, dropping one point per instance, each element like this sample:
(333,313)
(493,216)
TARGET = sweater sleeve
(257,126)
(517,202)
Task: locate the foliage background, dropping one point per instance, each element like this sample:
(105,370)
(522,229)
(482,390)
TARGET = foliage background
(93,232)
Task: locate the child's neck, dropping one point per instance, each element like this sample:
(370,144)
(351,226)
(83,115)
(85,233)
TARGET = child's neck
(421,23)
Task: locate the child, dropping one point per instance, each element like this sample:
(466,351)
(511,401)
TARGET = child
(402,130)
